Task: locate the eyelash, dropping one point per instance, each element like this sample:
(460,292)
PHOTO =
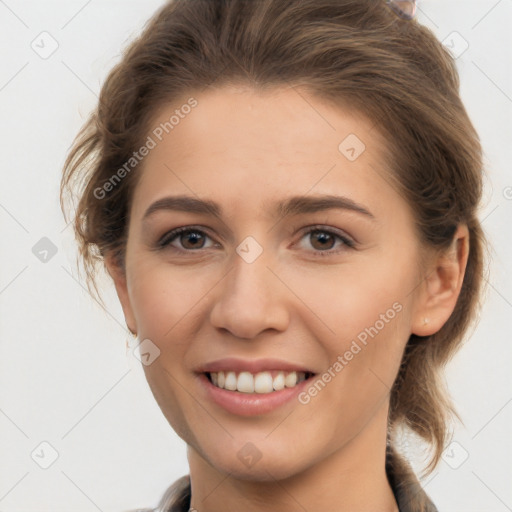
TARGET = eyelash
(347,243)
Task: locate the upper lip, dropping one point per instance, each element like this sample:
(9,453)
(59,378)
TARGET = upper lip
(253,366)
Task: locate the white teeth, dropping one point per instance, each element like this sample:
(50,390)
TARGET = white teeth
(230,381)
(290,380)
(245,383)
(278,383)
(262,382)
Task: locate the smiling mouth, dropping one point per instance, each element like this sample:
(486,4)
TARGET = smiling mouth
(257,383)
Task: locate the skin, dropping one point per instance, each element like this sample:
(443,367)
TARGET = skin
(246,149)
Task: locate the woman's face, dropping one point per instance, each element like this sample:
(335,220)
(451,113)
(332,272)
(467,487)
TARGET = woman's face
(278,278)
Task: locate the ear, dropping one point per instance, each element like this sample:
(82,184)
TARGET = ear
(118,275)
(441,287)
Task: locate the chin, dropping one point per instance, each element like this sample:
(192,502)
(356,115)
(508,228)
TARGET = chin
(244,461)
(261,471)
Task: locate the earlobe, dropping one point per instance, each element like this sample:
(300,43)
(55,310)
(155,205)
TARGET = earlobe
(442,284)
(118,275)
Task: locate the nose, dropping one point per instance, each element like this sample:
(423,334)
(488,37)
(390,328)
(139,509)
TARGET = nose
(250,300)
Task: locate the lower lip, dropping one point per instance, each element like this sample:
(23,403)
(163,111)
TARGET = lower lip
(250,404)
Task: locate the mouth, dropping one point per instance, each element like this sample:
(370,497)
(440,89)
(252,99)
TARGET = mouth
(262,383)
(253,387)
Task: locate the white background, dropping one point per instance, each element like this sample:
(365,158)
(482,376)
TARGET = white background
(65,374)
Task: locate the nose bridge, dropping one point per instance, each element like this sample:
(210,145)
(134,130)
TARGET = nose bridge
(250,274)
(249,299)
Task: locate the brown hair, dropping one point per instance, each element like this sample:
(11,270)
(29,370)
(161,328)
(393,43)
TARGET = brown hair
(354,52)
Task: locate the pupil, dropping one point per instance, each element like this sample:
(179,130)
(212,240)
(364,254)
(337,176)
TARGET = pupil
(322,238)
(192,238)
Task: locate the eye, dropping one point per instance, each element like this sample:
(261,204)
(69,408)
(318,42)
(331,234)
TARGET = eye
(188,238)
(324,240)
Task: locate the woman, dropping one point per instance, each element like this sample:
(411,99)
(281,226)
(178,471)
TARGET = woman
(316,156)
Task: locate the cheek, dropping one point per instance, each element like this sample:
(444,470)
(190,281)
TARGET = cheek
(359,377)
(170,397)
(345,300)
(367,311)
(166,300)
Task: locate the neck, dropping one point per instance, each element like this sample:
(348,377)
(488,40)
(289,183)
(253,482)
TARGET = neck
(351,479)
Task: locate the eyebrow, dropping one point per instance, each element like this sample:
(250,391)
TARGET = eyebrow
(292,206)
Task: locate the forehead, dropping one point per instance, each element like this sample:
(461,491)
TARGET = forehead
(278,120)
(238,140)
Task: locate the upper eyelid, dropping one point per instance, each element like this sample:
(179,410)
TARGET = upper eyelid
(321,227)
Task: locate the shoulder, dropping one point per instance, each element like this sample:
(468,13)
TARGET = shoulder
(175,499)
